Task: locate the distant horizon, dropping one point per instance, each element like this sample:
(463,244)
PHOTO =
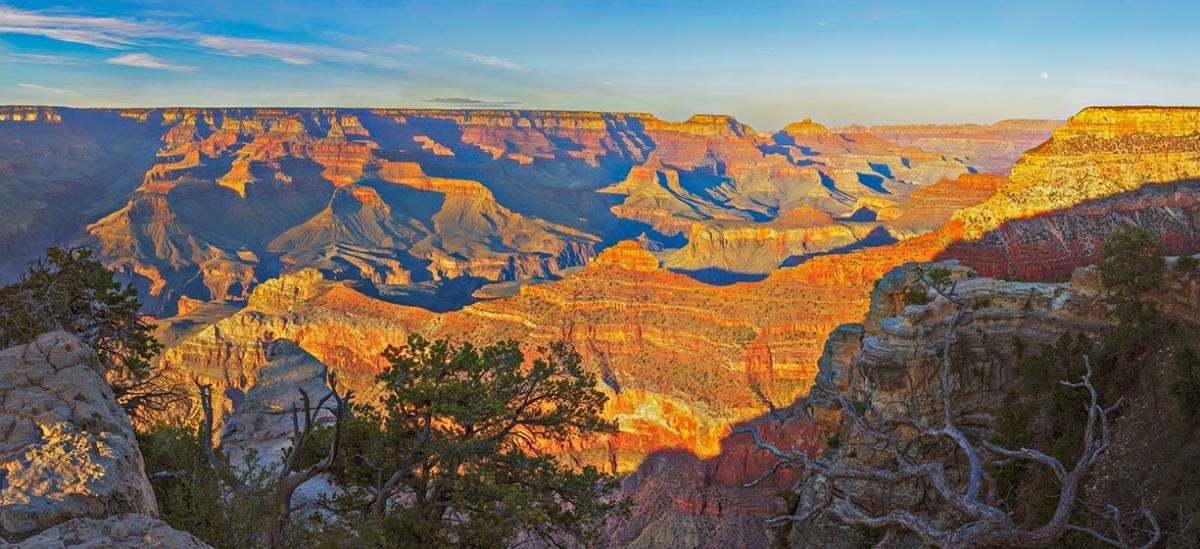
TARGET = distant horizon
(555,111)
(865,62)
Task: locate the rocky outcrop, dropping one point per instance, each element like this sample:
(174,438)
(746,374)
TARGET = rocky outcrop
(263,421)
(71,474)
(894,357)
(897,345)
(260,429)
(128,531)
(68,449)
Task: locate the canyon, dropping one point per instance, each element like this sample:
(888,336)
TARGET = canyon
(708,273)
(681,360)
(685,363)
(428,206)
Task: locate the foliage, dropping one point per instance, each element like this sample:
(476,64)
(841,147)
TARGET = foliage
(70,290)
(938,277)
(917,295)
(1185,380)
(1132,266)
(466,434)
(224,506)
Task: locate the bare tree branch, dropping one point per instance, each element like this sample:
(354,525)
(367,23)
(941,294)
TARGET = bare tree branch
(291,476)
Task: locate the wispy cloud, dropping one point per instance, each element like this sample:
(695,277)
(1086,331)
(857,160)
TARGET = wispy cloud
(402,48)
(489,60)
(292,54)
(42,59)
(101,32)
(471,102)
(47,89)
(145,61)
(117,33)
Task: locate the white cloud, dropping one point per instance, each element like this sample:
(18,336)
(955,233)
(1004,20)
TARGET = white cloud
(145,61)
(489,60)
(42,59)
(292,54)
(47,89)
(101,32)
(402,48)
(116,33)
(1044,74)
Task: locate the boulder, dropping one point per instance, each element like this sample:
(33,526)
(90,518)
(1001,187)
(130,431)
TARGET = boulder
(260,430)
(263,422)
(67,449)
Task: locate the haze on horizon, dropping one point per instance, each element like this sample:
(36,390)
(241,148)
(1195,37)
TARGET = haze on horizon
(769,64)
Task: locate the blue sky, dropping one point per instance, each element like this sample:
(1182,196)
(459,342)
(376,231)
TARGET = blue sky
(767,63)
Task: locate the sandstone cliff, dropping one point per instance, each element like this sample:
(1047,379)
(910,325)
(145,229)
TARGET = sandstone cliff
(69,450)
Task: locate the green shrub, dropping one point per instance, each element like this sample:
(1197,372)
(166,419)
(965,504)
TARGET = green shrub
(72,291)
(225,507)
(458,424)
(1131,267)
(917,294)
(939,277)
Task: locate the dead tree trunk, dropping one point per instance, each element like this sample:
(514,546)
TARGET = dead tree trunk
(982,523)
(290,477)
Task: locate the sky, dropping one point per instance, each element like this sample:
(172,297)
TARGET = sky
(767,63)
